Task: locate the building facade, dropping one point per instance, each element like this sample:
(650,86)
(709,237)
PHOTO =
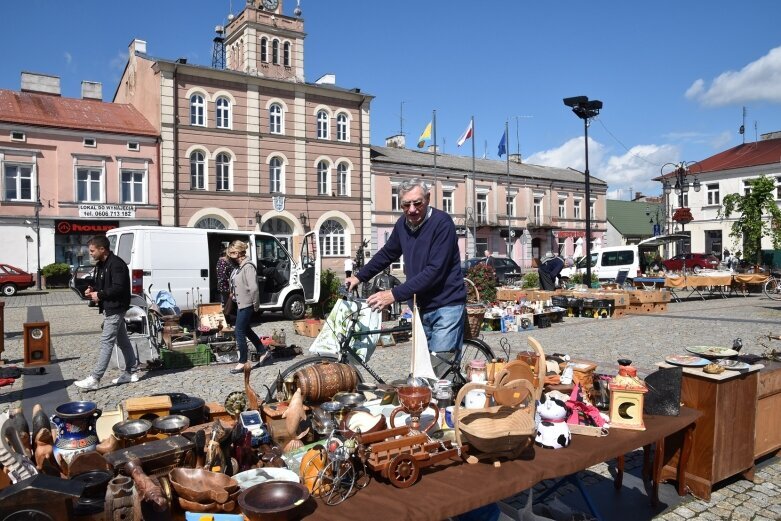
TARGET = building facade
(255,146)
(71,168)
(541,208)
(713,178)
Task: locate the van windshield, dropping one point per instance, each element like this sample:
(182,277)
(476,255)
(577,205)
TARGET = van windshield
(582,261)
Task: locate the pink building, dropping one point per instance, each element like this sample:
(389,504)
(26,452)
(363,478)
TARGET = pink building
(91,166)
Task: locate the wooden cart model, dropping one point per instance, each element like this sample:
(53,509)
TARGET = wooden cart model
(398,455)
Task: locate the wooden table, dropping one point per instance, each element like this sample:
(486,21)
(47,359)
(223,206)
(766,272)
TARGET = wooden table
(767,434)
(459,488)
(723,443)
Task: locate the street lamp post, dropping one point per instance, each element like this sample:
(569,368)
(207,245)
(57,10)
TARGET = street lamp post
(38,233)
(680,173)
(586,109)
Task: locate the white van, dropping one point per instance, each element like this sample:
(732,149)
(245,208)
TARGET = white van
(184,260)
(608,261)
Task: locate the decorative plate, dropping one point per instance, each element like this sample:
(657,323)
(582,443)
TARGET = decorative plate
(686,360)
(255,476)
(732,365)
(712,351)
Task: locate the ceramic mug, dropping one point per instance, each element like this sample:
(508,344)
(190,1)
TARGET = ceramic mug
(449,421)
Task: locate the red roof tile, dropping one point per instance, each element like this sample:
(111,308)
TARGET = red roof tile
(30,108)
(765,152)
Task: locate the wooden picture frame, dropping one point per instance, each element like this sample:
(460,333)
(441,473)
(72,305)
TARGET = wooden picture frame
(386,340)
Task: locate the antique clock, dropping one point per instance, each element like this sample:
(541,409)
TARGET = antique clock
(270,5)
(37,346)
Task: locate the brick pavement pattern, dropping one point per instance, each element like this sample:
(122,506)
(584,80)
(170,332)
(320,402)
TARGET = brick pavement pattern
(644,339)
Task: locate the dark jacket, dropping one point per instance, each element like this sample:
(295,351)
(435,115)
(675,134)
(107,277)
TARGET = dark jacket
(432,262)
(112,282)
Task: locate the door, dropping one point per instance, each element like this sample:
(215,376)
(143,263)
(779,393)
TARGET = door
(309,268)
(274,268)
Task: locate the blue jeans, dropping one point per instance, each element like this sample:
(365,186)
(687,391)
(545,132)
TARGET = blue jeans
(114,332)
(243,331)
(444,328)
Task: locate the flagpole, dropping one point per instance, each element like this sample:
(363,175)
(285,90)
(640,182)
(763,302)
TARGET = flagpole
(436,192)
(474,194)
(507,154)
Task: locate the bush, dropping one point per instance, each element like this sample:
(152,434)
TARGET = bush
(580,278)
(58,269)
(530,280)
(329,293)
(484,278)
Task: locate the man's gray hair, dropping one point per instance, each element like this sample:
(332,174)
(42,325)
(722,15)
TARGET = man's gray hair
(406,186)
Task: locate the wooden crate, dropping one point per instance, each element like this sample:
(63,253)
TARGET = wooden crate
(647,308)
(144,406)
(507,294)
(643,297)
(619,312)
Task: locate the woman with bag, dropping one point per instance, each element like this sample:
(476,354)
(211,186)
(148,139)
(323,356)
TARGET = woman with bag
(244,288)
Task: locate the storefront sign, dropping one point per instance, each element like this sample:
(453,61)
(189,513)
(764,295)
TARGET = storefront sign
(84,227)
(121,211)
(564,235)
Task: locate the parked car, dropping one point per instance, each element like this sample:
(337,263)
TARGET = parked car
(81,278)
(503,267)
(13,279)
(691,261)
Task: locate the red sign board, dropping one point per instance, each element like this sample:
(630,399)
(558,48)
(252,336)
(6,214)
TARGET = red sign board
(84,227)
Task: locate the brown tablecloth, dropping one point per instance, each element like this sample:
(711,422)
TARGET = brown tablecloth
(697,281)
(750,278)
(458,488)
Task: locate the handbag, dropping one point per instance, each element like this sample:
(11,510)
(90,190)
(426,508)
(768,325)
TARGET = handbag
(230,306)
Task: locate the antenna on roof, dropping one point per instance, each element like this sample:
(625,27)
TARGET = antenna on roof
(401,118)
(743,126)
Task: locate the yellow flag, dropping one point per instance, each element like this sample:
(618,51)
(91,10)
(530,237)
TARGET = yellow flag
(425,135)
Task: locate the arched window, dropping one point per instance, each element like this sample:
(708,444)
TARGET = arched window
(276,176)
(197,110)
(322,124)
(223,113)
(223,164)
(332,238)
(341,127)
(197,171)
(211,223)
(275,119)
(343,178)
(323,178)
(264,49)
(275,52)
(286,54)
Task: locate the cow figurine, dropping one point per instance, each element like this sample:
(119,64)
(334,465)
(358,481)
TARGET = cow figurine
(552,429)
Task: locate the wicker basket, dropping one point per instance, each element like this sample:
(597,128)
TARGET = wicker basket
(500,430)
(475,311)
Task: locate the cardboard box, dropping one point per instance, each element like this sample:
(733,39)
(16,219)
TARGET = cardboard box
(309,327)
(147,406)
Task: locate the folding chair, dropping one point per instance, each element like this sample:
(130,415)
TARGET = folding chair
(621,277)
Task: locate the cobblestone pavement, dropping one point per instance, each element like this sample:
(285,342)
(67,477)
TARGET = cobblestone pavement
(645,339)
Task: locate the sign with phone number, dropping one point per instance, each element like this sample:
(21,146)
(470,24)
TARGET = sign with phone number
(107,210)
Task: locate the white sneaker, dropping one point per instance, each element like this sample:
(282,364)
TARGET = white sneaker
(125,378)
(90,383)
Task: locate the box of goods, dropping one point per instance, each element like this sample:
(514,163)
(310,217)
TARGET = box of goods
(309,327)
(620,298)
(559,301)
(142,406)
(647,308)
(574,306)
(643,296)
(210,316)
(507,294)
(184,358)
(597,308)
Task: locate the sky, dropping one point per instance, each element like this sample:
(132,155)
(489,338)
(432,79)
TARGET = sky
(673,75)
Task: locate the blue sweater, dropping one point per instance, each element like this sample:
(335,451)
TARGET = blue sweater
(432,262)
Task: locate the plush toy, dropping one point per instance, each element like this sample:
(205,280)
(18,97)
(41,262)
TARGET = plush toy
(552,429)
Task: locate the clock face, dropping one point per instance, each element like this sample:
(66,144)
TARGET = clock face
(36,333)
(270,4)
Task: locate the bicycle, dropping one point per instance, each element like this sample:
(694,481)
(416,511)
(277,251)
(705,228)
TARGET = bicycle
(772,286)
(453,370)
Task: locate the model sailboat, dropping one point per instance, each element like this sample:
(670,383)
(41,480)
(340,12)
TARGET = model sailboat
(421,359)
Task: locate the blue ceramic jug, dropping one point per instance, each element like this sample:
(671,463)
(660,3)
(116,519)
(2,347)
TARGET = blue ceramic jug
(76,432)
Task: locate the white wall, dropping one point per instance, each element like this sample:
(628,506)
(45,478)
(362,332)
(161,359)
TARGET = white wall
(20,252)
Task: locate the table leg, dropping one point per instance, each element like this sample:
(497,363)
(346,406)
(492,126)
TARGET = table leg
(658,464)
(686,449)
(647,471)
(617,483)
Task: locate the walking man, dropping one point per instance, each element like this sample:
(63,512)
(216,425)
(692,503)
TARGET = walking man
(112,295)
(427,239)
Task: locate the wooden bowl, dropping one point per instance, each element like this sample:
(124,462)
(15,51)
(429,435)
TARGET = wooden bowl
(273,501)
(202,486)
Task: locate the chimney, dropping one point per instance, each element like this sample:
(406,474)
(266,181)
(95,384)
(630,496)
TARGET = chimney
(638,196)
(40,83)
(433,149)
(771,135)
(396,141)
(326,79)
(92,90)
(516,158)
(137,46)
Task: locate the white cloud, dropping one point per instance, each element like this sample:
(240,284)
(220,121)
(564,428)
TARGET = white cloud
(757,81)
(631,171)
(118,61)
(68,58)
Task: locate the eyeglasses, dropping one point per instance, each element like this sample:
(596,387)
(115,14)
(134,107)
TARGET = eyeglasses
(416,204)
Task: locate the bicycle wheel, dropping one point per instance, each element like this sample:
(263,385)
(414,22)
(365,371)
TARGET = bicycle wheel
(472,349)
(772,288)
(275,390)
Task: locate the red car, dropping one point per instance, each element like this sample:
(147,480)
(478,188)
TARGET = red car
(691,261)
(13,279)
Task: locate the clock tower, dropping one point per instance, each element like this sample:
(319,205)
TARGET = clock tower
(263,41)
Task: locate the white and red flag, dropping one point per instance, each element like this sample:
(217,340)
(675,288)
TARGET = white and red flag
(466,135)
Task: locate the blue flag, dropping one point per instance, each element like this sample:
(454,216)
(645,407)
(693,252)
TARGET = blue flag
(503,144)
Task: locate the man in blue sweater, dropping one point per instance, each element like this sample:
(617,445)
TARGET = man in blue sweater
(432,264)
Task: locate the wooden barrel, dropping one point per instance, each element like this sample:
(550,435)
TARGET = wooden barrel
(320,382)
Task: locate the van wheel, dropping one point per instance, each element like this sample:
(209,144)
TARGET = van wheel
(294,308)
(9,290)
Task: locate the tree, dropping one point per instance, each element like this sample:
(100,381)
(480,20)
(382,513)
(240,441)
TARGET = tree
(759,217)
